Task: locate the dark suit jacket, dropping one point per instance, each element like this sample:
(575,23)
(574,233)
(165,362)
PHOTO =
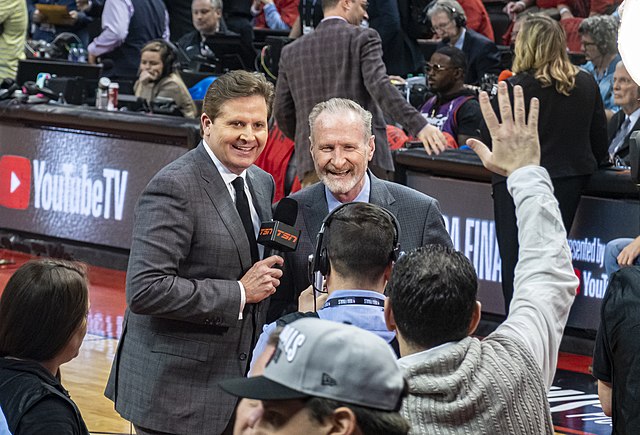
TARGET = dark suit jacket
(338,60)
(612,128)
(418,214)
(181,333)
(482,56)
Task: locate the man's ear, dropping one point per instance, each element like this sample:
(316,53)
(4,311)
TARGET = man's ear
(344,422)
(389,320)
(372,146)
(475,318)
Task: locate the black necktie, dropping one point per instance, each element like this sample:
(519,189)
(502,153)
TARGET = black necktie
(242,205)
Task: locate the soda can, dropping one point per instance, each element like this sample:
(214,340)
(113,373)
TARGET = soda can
(112,103)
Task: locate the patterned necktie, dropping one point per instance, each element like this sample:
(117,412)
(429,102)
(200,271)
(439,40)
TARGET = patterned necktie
(242,205)
(618,139)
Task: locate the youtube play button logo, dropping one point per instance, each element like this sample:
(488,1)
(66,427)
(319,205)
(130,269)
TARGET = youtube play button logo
(15,182)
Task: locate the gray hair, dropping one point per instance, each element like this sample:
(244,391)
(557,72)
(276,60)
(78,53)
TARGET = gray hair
(337,106)
(449,7)
(603,29)
(215,4)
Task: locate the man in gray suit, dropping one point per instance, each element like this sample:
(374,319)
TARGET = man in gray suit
(341,59)
(196,292)
(341,147)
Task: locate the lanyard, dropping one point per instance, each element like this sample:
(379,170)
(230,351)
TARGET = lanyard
(354,300)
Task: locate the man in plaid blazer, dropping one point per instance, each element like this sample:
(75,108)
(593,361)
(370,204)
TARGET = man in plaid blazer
(341,59)
(196,293)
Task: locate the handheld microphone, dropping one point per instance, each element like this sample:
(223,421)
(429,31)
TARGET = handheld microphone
(504,75)
(279,235)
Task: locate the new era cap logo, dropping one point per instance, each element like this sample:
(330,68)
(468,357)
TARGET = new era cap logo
(328,380)
(15,182)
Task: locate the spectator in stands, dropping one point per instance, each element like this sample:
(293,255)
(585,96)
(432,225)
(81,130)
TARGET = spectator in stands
(626,95)
(599,40)
(127,25)
(355,273)
(342,144)
(208,21)
(327,377)
(158,76)
(459,383)
(43,320)
(622,252)
(47,31)
(454,109)
(13,22)
(353,68)
(449,22)
(615,358)
(572,130)
(274,14)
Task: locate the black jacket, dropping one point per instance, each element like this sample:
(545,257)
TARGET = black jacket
(34,402)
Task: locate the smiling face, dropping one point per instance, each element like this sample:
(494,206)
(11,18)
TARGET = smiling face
(151,62)
(238,134)
(205,17)
(341,154)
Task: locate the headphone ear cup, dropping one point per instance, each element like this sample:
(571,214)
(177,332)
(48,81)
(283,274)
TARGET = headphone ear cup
(323,262)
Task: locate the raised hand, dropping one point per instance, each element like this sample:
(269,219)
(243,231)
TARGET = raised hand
(515,140)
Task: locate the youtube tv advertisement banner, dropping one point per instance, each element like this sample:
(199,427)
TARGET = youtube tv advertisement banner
(75,185)
(467,208)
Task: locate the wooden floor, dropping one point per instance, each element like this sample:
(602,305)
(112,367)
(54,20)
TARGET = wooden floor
(85,377)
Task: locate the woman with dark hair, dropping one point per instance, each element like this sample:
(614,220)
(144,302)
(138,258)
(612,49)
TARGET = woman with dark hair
(43,320)
(572,128)
(158,77)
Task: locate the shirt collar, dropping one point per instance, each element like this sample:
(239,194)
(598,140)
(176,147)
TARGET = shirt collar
(460,42)
(334,17)
(426,355)
(363,196)
(226,174)
(633,118)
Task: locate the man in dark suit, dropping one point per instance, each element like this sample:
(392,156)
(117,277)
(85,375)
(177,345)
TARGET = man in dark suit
(196,292)
(449,24)
(341,59)
(626,95)
(341,147)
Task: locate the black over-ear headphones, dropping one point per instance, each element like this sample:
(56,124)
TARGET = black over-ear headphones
(320,259)
(457,16)
(170,61)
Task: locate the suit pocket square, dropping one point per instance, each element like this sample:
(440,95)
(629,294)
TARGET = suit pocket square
(191,349)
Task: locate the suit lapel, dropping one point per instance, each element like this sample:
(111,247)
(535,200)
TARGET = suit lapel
(260,195)
(315,211)
(218,193)
(381,196)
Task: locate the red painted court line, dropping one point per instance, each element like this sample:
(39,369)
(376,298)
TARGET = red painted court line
(575,363)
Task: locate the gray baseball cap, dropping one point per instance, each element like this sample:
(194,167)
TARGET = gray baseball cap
(319,358)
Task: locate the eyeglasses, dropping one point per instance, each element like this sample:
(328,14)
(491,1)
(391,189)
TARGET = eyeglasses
(435,68)
(442,26)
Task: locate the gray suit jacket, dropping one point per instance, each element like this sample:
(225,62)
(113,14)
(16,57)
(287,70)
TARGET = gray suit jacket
(340,60)
(418,214)
(181,332)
